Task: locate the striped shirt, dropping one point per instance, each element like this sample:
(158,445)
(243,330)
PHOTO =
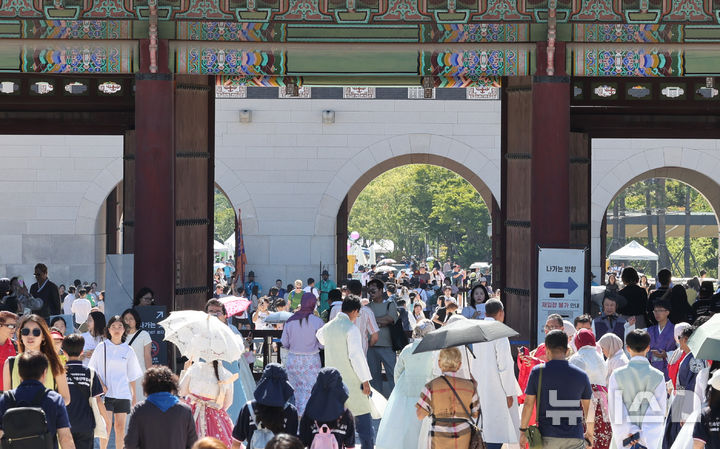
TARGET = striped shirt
(449,420)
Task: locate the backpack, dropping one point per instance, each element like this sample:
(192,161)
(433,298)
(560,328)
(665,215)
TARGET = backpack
(261,436)
(324,439)
(26,425)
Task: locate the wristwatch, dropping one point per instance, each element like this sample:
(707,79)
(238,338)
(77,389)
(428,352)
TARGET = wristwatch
(523,430)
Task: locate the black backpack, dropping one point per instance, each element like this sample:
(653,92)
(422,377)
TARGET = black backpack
(25,425)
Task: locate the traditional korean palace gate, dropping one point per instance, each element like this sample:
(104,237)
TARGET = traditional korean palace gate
(570,70)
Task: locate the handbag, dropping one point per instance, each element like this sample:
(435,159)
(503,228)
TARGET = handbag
(100,430)
(476,440)
(533,434)
(398,337)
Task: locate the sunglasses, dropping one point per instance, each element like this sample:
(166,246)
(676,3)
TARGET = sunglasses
(26,331)
(9,326)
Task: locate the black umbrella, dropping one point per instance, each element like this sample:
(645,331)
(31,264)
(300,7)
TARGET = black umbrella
(464,332)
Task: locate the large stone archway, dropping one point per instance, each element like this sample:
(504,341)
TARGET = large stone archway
(686,161)
(395,152)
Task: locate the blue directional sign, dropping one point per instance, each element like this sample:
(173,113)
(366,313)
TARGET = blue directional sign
(570,285)
(561,281)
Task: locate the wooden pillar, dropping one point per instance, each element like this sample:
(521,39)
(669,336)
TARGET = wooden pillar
(537,204)
(174,183)
(341,239)
(154,245)
(194,189)
(128,194)
(111,221)
(516,141)
(496,245)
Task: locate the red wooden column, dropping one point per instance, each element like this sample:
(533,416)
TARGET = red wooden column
(536,203)
(154,244)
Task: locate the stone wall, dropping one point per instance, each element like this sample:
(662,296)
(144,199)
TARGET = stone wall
(52,194)
(288,172)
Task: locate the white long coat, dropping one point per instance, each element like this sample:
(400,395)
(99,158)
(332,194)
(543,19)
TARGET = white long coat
(494,371)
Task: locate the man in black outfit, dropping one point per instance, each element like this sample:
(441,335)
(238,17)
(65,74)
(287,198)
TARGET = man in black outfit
(664,277)
(47,291)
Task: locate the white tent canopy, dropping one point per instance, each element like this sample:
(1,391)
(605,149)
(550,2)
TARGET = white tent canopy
(230,243)
(633,251)
(219,247)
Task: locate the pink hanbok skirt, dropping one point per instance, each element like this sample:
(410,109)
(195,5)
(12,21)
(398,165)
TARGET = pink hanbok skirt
(210,421)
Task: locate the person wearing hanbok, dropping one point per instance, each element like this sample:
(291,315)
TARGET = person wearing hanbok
(587,359)
(497,387)
(303,360)
(683,398)
(676,358)
(244,384)
(207,388)
(326,407)
(662,337)
(412,372)
(612,348)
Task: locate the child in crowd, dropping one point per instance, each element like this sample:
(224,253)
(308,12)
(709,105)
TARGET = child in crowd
(326,408)
(83,383)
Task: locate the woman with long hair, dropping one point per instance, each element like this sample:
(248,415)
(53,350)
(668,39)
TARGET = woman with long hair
(94,335)
(207,387)
(118,368)
(589,361)
(269,410)
(478,295)
(612,285)
(412,372)
(35,336)
(140,342)
(303,361)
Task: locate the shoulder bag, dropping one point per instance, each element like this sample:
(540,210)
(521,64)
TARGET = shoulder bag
(476,439)
(100,430)
(398,337)
(533,434)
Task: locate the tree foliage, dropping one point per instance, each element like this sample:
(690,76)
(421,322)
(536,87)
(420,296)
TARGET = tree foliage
(704,250)
(224,217)
(425,210)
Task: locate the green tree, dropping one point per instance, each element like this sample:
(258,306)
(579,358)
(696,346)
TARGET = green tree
(424,206)
(224,217)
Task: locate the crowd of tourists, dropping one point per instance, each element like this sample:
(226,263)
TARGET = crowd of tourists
(350,376)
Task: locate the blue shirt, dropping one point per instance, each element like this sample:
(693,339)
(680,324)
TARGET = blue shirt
(249,286)
(52,404)
(561,382)
(81,388)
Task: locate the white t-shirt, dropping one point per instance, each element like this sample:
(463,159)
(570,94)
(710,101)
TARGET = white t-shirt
(314,291)
(90,344)
(81,308)
(122,368)
(138,345)
(67,304)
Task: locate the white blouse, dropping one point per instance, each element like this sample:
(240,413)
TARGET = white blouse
(588,360)
(200,380)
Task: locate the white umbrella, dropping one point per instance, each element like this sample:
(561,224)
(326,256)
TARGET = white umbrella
(387,261)
(479,265)
(384,269)
(201,336)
